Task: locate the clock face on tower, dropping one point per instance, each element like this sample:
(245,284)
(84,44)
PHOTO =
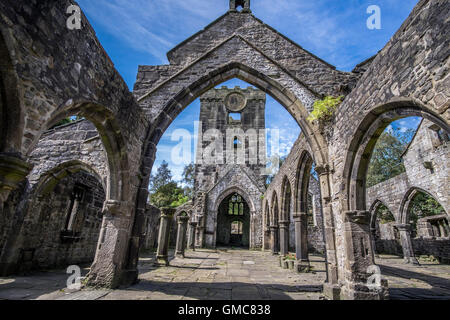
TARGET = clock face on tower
(235,101)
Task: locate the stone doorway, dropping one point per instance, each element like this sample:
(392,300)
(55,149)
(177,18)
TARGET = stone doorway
(233,222)
(236,233)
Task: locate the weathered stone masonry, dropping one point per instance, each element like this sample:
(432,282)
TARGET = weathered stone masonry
(49,72)
(426,164)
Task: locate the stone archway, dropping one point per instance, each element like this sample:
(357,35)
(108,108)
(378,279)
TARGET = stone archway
(359,247)
(201,63)
(405,206)
(53,222)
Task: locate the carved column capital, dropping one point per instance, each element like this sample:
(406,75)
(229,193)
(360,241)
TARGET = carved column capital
(359,217)
(193,223)
(299,216)
(182,219)
(403,227)
(116,208)
(13,170)
(284,224)
(323,169)
(167,212)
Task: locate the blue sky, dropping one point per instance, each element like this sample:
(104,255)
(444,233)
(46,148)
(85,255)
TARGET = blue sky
(140,32)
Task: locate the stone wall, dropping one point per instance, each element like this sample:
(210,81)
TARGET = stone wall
(152,228)
(289,169)
(40,244)
(71,154)
(424,148)
(409,77)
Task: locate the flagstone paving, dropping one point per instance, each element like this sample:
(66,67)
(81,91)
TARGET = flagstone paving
(229,274)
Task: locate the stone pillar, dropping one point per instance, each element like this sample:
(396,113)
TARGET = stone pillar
(301,241)
(441,228)
(109,266)
(274,239)
(162,254)
(331,287)
(404,231)
(181,236)
(360,263)
(191,238)
(200,233)
(13,170)
(373,235)
(284,237)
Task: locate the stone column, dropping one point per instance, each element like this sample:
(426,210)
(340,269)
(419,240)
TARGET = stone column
(404,231)
(191,238)
(162,254)
(360,264)
(301,241)
(274,239)
(331,287)
(13,170)
(284,237)
(441,228)
(181,236)
(199,232)
(373,234)
(110,265)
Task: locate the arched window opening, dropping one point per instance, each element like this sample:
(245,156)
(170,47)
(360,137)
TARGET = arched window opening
(234,118)
(236,205)
(427,217)
(237,228)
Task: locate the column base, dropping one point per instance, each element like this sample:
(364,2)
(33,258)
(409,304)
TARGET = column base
(302,266)
(129,277)
(411,260)
(332,291)
(364,292)
(179,255)
(162,260)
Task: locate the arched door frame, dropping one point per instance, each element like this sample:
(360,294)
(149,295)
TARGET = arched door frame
(224,195)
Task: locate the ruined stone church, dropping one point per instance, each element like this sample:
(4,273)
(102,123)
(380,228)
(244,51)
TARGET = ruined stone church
(78,193)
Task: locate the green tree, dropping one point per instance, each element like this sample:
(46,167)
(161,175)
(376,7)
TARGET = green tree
(164,192)
(163,176)
(386,161)
(384,215)
(168,195)
(423,205)
(188,180)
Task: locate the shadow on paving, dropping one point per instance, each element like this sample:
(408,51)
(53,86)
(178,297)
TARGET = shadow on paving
(215,291)
(35,284)
(440,286)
